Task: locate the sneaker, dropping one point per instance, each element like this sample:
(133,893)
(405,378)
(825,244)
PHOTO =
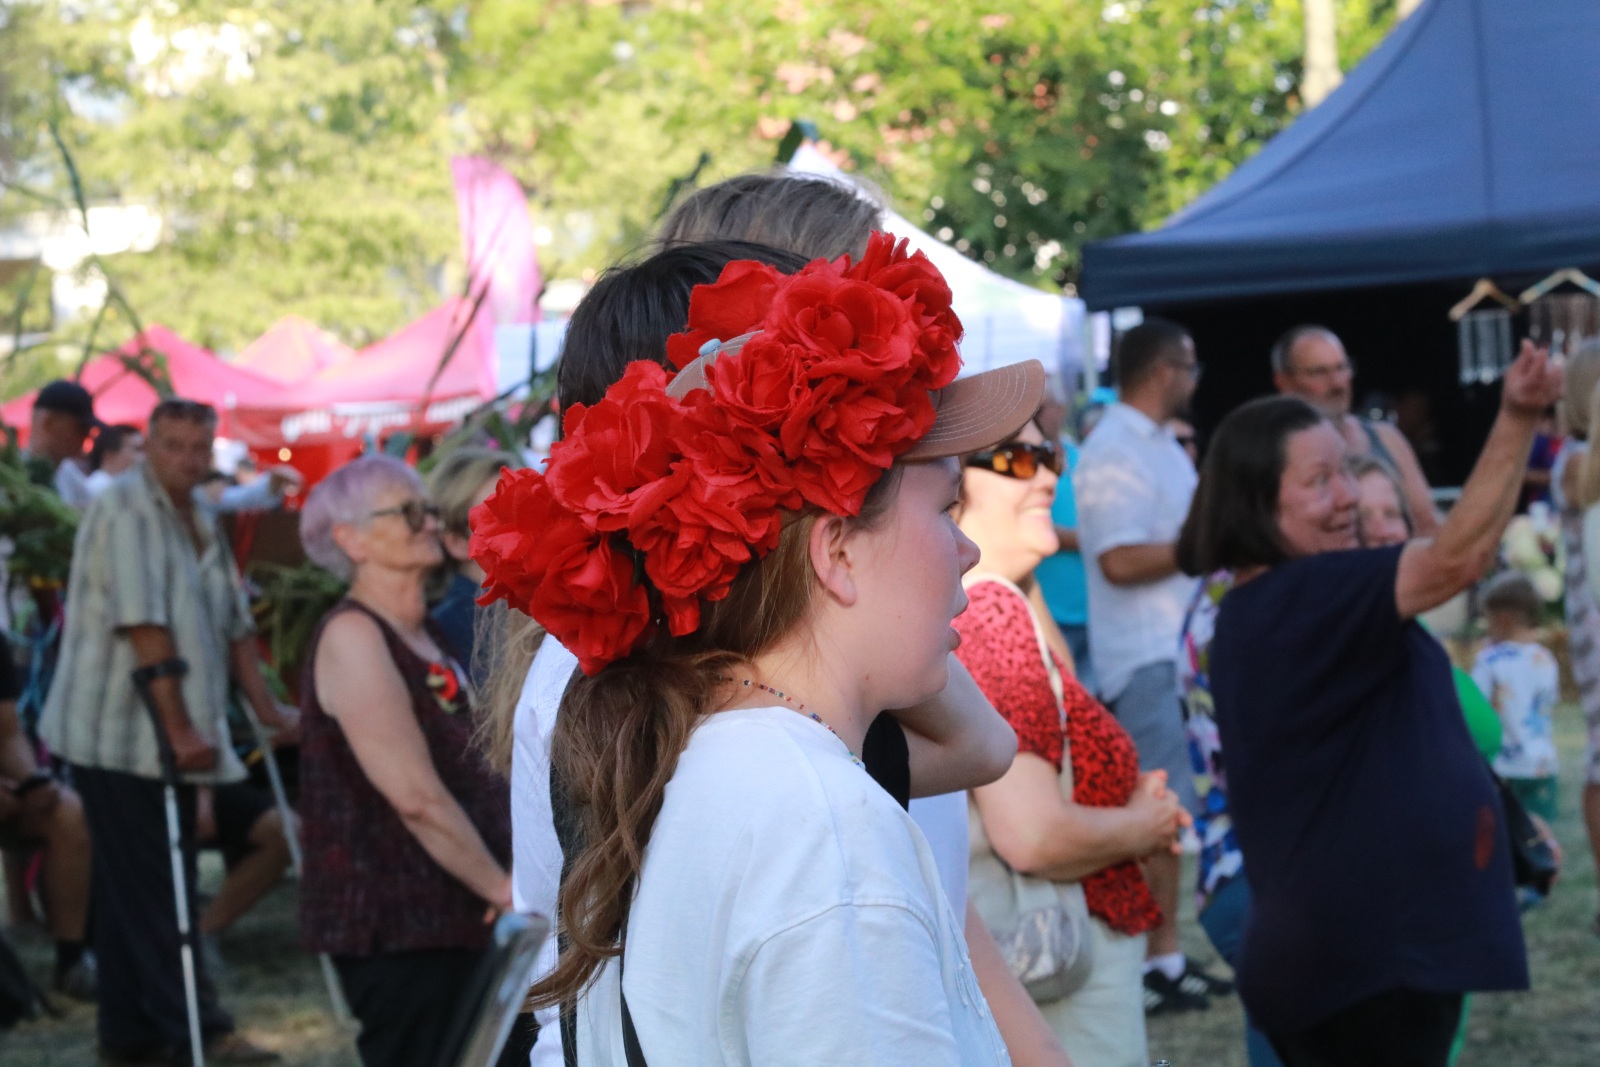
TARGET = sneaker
(1167,996)
(81,981)
(235,1048)
(1194,979)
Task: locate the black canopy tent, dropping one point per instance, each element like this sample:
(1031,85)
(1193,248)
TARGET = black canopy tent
(1466,144)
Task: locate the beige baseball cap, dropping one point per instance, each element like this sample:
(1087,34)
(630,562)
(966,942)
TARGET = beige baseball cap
(973,413)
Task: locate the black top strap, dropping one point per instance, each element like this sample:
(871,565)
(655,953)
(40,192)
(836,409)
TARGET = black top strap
(630,1036)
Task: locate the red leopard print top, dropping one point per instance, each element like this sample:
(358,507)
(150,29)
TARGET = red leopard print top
(1000,649)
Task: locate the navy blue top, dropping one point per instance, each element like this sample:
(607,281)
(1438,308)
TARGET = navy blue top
(455,615)
(1373,836)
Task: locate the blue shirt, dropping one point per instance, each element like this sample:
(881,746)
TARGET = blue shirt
(456,614)
(1374,837)
(1061,577)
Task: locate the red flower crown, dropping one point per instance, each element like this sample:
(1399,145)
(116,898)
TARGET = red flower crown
(651,504)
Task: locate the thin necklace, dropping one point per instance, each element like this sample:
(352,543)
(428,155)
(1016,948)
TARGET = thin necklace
(802,708)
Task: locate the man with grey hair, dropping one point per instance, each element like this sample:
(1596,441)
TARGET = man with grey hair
(1310,362)
(152,582)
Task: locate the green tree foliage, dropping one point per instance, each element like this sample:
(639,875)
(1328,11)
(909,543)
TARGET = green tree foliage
(298,149)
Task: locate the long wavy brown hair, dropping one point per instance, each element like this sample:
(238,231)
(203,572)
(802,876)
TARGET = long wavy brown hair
(619,734)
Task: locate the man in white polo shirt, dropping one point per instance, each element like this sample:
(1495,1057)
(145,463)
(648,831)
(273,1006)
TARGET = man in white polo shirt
(1133,483)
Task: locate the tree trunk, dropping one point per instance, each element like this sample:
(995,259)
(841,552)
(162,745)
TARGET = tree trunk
(1406,7)
(1321,75)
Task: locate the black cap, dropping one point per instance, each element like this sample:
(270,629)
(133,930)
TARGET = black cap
(69,398)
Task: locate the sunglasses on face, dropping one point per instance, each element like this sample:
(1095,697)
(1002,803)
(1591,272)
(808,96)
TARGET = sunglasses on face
(415,512)
(1018,460)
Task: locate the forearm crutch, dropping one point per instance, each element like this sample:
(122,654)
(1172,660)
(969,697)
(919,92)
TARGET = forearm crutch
(291,836)
(143,678)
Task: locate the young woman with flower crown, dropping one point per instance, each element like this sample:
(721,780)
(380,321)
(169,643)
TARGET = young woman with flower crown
(751,559)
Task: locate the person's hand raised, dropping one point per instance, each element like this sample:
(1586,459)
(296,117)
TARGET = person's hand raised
(1533,382)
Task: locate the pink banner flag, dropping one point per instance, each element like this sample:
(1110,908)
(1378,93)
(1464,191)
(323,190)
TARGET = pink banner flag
(497,237)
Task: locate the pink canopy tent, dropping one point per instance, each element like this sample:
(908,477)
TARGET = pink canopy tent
(385,388)
(121,396)
(292,351)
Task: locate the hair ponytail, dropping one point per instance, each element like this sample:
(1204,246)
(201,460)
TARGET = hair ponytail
(616,745)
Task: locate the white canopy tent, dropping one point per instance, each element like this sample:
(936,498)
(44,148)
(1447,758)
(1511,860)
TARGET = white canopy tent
(1006,321)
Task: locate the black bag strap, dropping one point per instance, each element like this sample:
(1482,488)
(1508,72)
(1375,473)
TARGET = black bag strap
(630,1036)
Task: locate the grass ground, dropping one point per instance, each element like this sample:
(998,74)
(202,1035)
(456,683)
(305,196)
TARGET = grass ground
(275,989)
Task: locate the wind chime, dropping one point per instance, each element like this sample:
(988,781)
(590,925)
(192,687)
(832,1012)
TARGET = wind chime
(1563,320)
(1483,333)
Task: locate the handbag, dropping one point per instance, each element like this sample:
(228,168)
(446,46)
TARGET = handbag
(1533,862)
(1040,926)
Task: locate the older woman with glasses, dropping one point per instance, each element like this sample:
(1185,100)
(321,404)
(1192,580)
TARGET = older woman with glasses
(1073,813)
(407,834)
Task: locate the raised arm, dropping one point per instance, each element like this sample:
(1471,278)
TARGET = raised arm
(358,686)
(1434,570)
(957,740)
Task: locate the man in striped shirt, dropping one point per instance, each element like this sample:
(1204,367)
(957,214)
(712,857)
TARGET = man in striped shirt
(152,580)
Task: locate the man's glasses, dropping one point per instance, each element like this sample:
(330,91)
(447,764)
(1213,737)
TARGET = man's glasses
(415,512)
(1019,460)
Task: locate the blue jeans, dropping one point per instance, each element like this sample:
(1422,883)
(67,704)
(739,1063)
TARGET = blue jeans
(1223,920)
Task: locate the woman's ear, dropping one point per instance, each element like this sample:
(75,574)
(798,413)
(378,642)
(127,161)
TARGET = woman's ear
(348,537)
(829,547)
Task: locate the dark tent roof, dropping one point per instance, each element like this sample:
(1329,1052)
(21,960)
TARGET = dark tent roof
(1467,143)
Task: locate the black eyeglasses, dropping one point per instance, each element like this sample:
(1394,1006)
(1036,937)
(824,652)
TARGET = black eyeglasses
(1019,460)
(415,512)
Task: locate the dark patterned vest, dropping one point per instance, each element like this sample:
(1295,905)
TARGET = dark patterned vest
(369,886)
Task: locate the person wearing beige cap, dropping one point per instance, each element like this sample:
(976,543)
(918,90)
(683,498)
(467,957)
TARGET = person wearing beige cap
(750,559)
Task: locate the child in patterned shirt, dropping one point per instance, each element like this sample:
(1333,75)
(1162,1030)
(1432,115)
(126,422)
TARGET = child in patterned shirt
(1521,679)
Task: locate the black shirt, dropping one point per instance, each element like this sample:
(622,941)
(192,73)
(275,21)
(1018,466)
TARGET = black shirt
(10,685)
(1372,833)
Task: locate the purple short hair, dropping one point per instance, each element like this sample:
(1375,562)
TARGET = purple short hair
(346,497)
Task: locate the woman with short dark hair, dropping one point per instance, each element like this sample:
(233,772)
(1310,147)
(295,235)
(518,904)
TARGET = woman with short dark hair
(1374,835)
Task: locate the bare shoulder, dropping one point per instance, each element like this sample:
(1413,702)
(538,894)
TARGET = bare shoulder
(350,631)
(1393,438)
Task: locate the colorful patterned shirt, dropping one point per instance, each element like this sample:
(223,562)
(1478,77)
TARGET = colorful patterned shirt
(1220,858)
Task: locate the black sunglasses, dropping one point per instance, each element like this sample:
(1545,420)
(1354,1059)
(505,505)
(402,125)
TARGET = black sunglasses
(1019,460)
(415,512)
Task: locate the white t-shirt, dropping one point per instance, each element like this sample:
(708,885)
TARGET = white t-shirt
(943,821)
(535,852)
(788,912)
(1523,683)
(1133,486)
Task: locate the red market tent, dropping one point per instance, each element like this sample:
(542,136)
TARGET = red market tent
(122,396)
(385,389)
(292,351)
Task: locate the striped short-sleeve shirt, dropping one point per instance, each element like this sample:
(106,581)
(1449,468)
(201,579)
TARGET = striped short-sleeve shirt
(134,564)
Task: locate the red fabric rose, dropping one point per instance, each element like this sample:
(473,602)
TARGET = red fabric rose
(696,533)
(611,451)
(546,562)
(730,453)
(845,328)
(759,385)
(912,278)
(730,307)
(842,439)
